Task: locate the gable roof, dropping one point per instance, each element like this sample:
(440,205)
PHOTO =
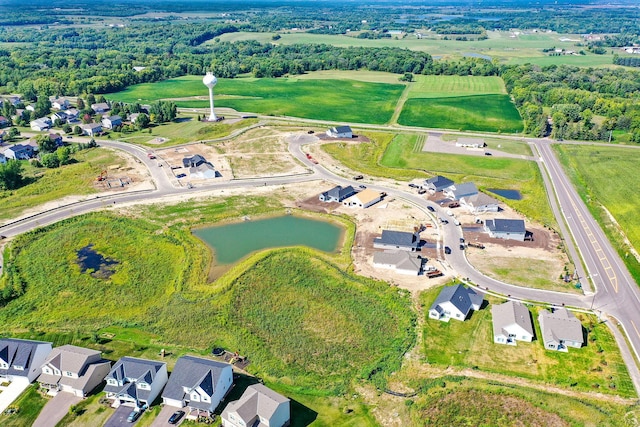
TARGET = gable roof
(135,369)
(561,325)
(338,192)
(464,189)
(342,129)
(506,225)
(191,372)
(439,182)
(71,358)
(20,353)
(112,118)
(462,298)
(257,400)
(508,314)
(368,195)
(17,148)
(91,126)
(480,199)
(402,260)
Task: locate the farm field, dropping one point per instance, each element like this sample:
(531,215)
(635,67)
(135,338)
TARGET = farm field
(600,174)
(336,100)
(500,45)
(455,86)
(52,184)
(485,113)
(598,365)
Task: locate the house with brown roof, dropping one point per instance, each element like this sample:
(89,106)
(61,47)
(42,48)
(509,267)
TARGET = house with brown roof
(363,199)
(72,369)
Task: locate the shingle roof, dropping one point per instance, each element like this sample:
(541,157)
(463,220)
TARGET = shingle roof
(462,298)
(506,225)
(439,182)
(508,314)
(16,352)
(402,260)
(398,238)
(342,129)
(256,400)
(561,325)
(191,372)
(71,358)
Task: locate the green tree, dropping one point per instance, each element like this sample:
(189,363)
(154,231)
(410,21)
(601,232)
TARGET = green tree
(50,160)
(142,121)
(11,175)
(45,144)
(64,154)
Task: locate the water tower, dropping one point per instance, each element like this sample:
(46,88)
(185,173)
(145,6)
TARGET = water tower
(210,81)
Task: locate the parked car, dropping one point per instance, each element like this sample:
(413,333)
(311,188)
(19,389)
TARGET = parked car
(362,186)
(311,132)
(431,209)
(177,416)
(447,250)
(412,185)
(133,416)
(358,177)
(487,154)
(444,221)
(462,247)
(462,240)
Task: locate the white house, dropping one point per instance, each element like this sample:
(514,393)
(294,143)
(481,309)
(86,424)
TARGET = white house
(437,183)
(100,107)
(402,262)
(198,384)
(340,132)
(336,194)
(455,302)
(20,360)
(135,382)
(3,159)
(59,103)
(72,369)
(41,124)
(111,121)
(19,152)
(458,191)
(91,129)
(203,171)
(480,203)
(511,323)
(363,199)
(560,329)
(258,406)
(511,229)
(470,143)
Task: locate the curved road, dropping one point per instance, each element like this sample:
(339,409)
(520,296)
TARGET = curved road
(616,292)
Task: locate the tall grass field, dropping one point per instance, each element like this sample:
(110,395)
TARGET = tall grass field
(330,99)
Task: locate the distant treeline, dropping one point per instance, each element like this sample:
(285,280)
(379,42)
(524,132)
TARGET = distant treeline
(627,61)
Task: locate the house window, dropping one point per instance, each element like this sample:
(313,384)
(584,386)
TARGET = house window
(18,368)
(69,374)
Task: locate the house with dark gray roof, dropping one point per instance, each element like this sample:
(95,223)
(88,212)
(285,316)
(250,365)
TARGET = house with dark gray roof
(437,183)
(397,240)
(194,161)
(20,360)
(135,382)
(455,302)
(560,329)
(198,384)
(337,194)
(512,229)
(258,406)
(19,152)
(511,323)
(74,370)
(458,191)
(340,132)
(402,262)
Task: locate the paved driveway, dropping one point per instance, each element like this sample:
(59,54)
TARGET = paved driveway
(119,418)
(11,393)
(55,409)
(162,420)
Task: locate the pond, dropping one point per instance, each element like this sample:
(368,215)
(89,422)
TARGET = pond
(101,267)
(233,242)
(507,194)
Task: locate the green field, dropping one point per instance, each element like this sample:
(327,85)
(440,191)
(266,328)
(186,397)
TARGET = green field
(284,310)
(484,113)
(500,45)
(603,176)
(455,86)
(598,365)
(46,185)
(335,100)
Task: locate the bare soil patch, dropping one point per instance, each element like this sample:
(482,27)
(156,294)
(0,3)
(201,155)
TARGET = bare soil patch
(173,157)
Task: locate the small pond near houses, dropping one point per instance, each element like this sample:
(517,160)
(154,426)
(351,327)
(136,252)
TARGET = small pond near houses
(232,242)
(507,194)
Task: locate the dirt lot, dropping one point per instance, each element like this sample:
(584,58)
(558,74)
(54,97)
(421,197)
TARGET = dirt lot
(124,175)
(174,156)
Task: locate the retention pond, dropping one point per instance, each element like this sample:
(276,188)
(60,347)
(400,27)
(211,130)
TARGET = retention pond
(507,194)
(232,242)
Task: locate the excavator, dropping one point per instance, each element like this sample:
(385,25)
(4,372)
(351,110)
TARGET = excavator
(102,176)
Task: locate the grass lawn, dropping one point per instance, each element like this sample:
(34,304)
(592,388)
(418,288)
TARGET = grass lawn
(486,113)
(455,86)
(29,405)
(332,99)
(51,184)
(604,178)
(597,366)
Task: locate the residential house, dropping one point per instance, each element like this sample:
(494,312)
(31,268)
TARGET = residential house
(455,302)
(340,132)
(20,360)
(4,122)
(60,115)
(57,139)
(3,159)
(59,103)
(72,115)
(91,129)
(111,121)
(133,117)
(511,323)
(101,107)
(72,369)
(204,171)
(43,123)
(398,240)
(258,406)
(135,382)
(30,107)
(437,183)
(363,199)
(337,194)
(511,229)
(192,162)
(198,384)
(402,262)
(560,329)
(458,191)
(13,100)
(19,152)
(480,203)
